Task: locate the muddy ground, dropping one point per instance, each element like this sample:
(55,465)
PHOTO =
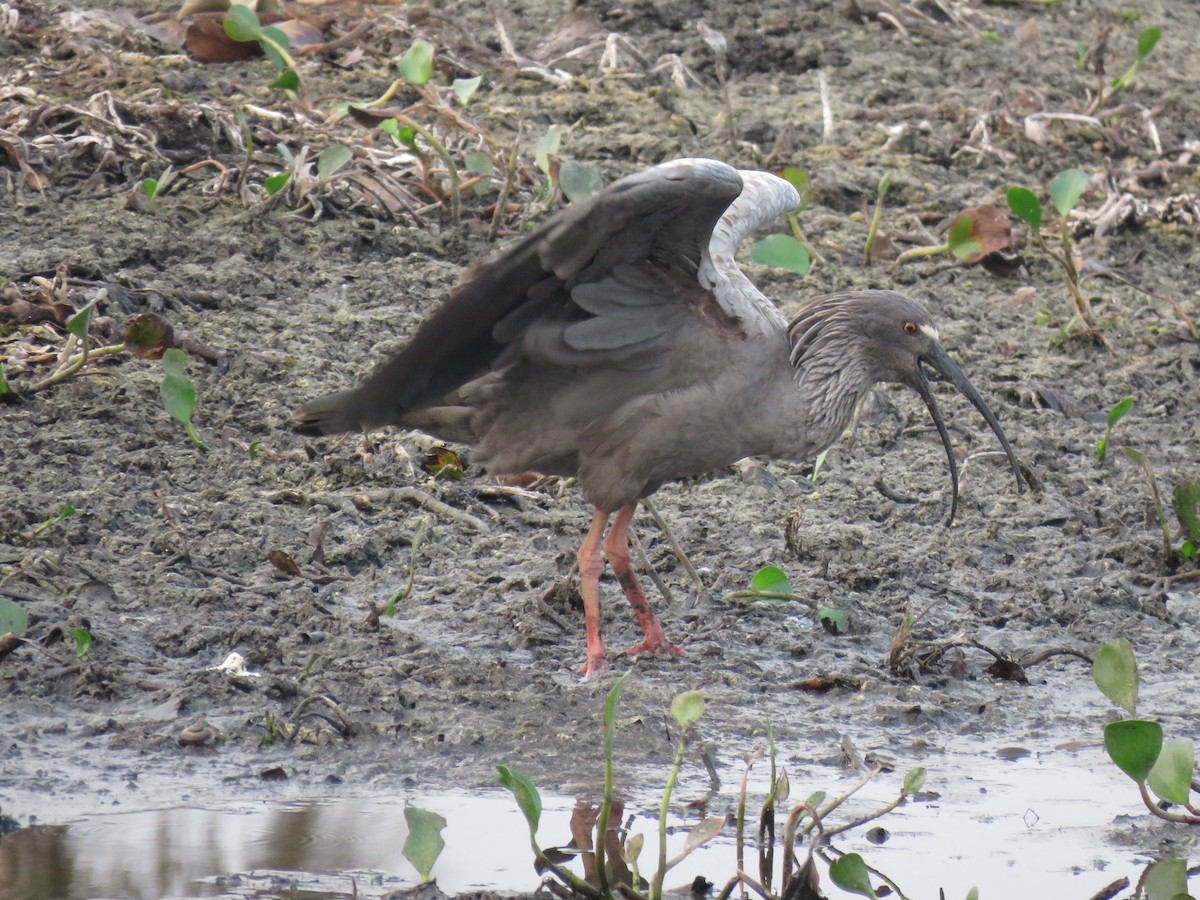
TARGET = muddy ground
(167,561)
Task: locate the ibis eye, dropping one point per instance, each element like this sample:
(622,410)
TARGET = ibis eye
(910,328)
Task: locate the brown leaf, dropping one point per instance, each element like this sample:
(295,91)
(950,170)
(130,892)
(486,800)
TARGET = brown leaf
(990,228)
(283,562)
(1028,34)
(149,335)
(300,34)
(207,41)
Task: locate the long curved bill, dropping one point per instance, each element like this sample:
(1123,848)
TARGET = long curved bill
(938,360)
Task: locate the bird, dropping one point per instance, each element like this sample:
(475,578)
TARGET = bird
(621,343)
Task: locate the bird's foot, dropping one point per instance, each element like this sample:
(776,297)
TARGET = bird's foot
(657,644)
(593,665)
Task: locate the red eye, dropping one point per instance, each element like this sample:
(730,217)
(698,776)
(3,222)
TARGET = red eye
(910,328)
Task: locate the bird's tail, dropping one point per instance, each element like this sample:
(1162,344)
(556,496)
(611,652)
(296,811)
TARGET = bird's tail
(331,414)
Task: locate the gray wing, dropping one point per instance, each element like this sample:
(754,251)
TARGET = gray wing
(600,283)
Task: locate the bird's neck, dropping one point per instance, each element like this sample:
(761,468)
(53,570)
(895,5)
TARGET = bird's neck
(817,405)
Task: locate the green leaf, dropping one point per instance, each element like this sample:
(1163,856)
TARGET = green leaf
(288,80)
(1066,188)
(962,240)
(526,795)
(687,708)
(1133,744)
(1146,42)
(178,392)
(332,158)
(782,251)
(1187,550)
(973,894)
(850,874)
(833,620)
(465,88)
(772,580)
(273,40)
(610,714)
(274,183)
(150,187)
(416,65)
(1171,777)
(1115,673)
(1166,880)
(798,178)
(1026,207)
(783,787)
(424,843)
(1118,412)
(578,182)
(704,832)
(914,780)
(633,847)
(241,24)
(1186,502)
(78,323)
(83,640)
(547,147)
(13,619)
(3,381)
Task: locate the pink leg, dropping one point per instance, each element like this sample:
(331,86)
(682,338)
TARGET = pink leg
(591,565)
(616,547)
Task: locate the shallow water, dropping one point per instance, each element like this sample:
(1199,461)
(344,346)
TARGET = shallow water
(1009,821)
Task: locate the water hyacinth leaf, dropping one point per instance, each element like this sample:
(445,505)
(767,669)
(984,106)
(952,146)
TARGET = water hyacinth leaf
(704,832)
(241,24)
(275,183)
(782,251)
(528,799)
(979,231)
(850,874)
(288,80)
(1166,880)
(833,620)
(424,843)
(332,158)
(914,780)
(1117,413)
(78,323)
(1026,207)
(13,619)
(687,708)
(578,182)
(1147,41)
(83,640)
(1115,672)
(465,88)
(178,392)
(1134,745)
(1186,502)
(547,147)
(1066,188)
(771,579)
(416,65)
(1171,777)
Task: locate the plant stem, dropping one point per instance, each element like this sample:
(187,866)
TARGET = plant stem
(440,149)
(1162,813)
(663,807)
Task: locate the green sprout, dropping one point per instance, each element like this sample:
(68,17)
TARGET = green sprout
(1146,42)
(1065,190)
(1137,746)
(881,190)
(242,25)
(179,394)
(1185,500)
(65,513)
(424,843)
(1115,415)
(83,640)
